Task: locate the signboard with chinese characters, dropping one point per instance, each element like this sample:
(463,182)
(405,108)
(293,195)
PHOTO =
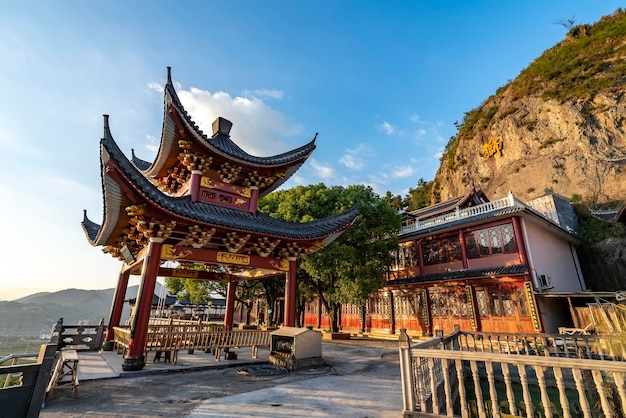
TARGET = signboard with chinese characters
(532,306)
(492,148)
(470,305)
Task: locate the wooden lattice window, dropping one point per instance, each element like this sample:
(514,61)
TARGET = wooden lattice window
(490,241)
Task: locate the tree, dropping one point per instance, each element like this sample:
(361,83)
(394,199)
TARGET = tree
(420,196)
(394,201)
(273,287)
(195,290)
(246,294)
(353,266)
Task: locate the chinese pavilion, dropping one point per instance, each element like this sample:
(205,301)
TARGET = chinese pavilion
(197,203)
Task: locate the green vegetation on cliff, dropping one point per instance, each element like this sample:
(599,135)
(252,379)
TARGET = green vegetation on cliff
(590,60)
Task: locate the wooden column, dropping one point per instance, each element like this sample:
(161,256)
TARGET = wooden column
(290,294)
(194,187)
(319,312)
(134,359)
(230,304)
(392,312)
(463,249)
(254,199)
(420,251)
(519,241)
(115,313)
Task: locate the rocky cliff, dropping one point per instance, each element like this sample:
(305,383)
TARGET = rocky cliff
(558,127)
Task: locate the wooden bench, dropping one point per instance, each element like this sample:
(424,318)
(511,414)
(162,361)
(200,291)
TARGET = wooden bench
(170,339)
(241,338)
(65,373)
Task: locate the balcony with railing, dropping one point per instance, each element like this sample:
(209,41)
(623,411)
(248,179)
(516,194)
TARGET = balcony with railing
(459,214)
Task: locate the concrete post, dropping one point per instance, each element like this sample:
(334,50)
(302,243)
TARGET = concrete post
(406,372)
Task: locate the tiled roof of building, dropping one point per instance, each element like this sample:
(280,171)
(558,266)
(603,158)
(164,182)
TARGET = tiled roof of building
(497,271)
(219,144)
(142,165)
(203,213)
(611,215)
(516,208)
(473,197)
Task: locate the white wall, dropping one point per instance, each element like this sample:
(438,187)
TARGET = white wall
(552,255)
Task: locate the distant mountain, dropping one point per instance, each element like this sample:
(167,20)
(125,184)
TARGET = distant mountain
(37,313)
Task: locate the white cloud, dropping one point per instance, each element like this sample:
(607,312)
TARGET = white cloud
(157,87)
(387,128)
(354,158)
(270,93)
(403,171)
(420,133)
(257,128)
(322,171)
(152,143)
(352,161)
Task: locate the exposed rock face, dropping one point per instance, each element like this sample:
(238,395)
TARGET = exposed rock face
(536,146)
(558,127)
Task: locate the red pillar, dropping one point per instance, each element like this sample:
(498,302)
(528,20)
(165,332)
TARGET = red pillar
(116,309)
(230,305)
(520,242)
(290,294)
(463,249)
(134,359)
(254,199)
(421,256)
(194,187)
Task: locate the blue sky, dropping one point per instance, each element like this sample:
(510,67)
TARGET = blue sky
(381,81)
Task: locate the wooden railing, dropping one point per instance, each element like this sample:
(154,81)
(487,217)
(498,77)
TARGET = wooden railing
(434,375)
(418,225)
(82,337)
(23,392)
(174,337)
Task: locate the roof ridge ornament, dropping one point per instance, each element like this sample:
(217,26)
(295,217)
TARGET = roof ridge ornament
(222,126)
(107,131)
(169,75)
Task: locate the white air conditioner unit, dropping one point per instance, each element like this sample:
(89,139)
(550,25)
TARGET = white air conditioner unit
(545,281)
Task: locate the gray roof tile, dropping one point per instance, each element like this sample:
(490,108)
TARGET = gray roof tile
(208,213)
(497,271)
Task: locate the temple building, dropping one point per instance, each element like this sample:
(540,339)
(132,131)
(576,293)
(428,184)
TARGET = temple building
(197,203)
(491,266)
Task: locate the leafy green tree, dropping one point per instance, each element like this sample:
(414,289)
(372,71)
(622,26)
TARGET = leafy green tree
(394,201)
(354,265)
(193,289)
(246,294)
(272,288)
(420,196)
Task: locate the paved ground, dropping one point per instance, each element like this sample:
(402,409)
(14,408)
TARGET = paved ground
(361,378)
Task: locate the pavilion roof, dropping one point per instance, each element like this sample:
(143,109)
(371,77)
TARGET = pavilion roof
(179,128)
(125,186)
